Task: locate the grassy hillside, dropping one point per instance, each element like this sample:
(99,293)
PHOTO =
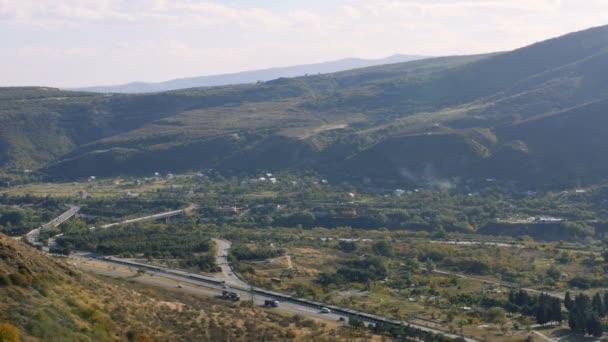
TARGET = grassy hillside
(451,118)
(45,299)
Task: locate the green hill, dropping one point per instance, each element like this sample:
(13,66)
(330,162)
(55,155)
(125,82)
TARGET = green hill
(532,115)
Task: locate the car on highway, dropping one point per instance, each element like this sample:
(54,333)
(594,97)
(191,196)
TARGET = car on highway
(179,286)
(271,303)
(325,310)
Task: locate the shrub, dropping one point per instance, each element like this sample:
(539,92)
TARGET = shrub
(9,333)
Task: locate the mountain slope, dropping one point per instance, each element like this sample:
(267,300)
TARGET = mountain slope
(250,76)
(430,121)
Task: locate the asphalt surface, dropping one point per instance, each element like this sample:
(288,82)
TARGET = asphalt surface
(182,281)
(33,235)
(191,286)
(149,217)
(228,275)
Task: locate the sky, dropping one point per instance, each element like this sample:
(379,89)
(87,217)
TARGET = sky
(71,43)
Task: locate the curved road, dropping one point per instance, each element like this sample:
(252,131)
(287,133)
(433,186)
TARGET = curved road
(223,248)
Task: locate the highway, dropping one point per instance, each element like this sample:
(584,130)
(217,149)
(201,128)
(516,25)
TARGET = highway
(192,286)
(209,286)
(149,217)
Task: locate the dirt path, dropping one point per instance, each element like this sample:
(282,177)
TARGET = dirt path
(289,264)
(543,337)
(507,285)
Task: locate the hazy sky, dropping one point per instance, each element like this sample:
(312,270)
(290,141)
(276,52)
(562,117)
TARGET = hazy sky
(96,42)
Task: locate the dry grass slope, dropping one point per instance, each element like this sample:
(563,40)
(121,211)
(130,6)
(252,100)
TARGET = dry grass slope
(49,300)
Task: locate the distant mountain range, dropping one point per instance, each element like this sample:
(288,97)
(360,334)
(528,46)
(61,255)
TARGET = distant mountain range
(249,76)
(535,116)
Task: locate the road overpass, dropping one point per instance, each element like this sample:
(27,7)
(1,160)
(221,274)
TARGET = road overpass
(148,218)
(33,235)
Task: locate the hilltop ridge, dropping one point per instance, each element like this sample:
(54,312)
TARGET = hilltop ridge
(455,118)
(251,76)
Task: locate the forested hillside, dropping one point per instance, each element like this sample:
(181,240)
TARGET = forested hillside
(533,115)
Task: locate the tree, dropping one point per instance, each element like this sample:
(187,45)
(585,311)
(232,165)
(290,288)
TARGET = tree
(9,333)
(605,312)
(556,311)
(543,313)
(568,303)
(553,273)
(429,265)
(594,326)
(581,316)
(596,304)
(305,217)
(347,246)
(496,315)
(382,248)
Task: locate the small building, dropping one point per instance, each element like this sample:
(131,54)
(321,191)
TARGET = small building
(548,219)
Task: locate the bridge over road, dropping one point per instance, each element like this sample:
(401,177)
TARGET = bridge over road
(33,235)
(149,217)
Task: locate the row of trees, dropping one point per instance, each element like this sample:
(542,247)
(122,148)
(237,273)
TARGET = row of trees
(544,307)
(150,239)
(584,313)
